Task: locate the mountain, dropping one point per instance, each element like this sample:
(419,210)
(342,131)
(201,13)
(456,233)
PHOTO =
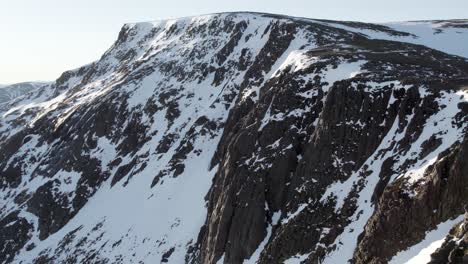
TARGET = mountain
(244,138)
(12,91)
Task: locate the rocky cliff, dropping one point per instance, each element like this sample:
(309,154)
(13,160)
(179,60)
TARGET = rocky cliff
(244,138)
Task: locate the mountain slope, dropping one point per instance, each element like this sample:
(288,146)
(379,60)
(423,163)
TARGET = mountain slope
(449,36)
(11,91)
(238,138)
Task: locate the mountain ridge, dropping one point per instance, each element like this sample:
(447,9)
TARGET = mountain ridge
(9,92)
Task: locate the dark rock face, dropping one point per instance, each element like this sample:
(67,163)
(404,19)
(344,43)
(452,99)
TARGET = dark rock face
(238,138)
(14,234)
(454,248)
(256,192)
(51,210)
(398,218)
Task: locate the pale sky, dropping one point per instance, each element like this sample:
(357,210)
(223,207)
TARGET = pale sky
(40,39)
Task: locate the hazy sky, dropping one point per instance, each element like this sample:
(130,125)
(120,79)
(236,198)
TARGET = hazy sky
(39,39)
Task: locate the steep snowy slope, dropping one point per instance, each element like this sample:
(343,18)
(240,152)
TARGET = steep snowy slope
(239,138)
(11,91)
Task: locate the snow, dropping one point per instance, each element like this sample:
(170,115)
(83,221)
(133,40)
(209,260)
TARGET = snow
(152,220)
(421,252)
(296,59)
(297,259)
(440,124)
(450,40)
(344,70)
(221,260)
(330,75)
(293,56)
(105,151)
(290,216)
(347,241)
(268,117)
(173,212)
(255,44)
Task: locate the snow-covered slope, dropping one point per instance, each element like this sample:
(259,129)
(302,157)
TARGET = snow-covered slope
(12,91)
(238,138)
(450,36)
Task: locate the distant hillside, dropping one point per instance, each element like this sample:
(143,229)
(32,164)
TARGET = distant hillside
(11,91)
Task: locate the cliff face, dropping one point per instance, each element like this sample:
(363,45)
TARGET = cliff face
(241,138)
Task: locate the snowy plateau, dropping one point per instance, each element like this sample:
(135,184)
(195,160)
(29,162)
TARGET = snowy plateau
(245,138)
